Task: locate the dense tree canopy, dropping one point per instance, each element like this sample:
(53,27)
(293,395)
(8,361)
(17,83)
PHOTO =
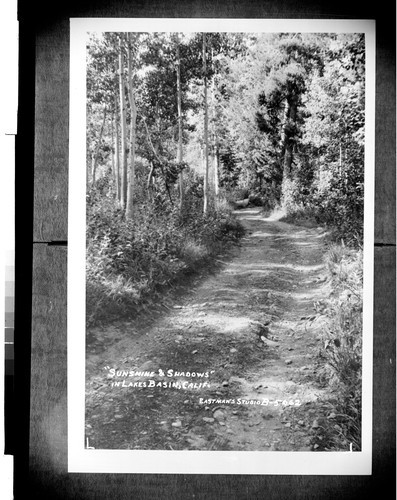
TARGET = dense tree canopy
(285,117)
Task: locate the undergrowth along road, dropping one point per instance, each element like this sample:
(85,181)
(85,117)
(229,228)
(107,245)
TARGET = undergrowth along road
(243,342)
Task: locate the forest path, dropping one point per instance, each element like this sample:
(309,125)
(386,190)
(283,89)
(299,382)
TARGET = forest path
(255,386)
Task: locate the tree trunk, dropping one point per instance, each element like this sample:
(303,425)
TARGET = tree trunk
(216,168)
(284,134)
(180,124)
(149,185)
(214,141)
(98,146)
(117,152)
(340,160)
(112,148)
(158,159)
(131,177)
(289,131)
(205,127)
(123,127)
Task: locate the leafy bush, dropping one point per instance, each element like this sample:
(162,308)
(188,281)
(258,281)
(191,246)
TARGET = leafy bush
(341,352)
(333,198)
(129,260)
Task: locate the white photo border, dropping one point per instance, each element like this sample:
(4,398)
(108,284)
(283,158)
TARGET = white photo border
(85,460)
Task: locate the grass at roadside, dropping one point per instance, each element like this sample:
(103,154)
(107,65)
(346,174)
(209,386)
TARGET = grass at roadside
(129,262)
(340,356)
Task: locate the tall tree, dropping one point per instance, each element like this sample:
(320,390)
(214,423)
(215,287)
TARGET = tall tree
(180,122)
(205,139)
(98,146)
(112,146)
(117,149)
(133,112)
(289,132)
(214,149)
(101,81)
(123,122)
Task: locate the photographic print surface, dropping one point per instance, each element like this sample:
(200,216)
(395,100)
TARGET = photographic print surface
(220,256)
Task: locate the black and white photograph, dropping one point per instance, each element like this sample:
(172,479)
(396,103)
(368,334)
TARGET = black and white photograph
(199,249)
(220,246)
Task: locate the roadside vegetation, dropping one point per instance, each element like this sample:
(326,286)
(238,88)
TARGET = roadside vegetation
(131,261)
(340,355)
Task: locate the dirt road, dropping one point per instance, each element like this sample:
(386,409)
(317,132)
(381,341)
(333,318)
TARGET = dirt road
(242,342)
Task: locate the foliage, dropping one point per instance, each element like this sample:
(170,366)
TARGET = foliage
(286,115)
(130,260)
(329,171)
(340,356)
